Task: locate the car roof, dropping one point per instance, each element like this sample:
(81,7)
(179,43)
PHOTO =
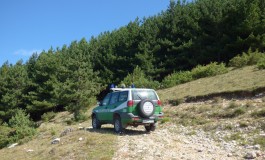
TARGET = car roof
(127,89)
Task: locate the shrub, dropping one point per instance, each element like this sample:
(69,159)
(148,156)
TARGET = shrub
(243,124)
(177,78)
(211,69)
(165,119)
(176,102)
(261,63)
(233,105)
(48,116)
(247,58)
(5,131)
(24,127)
(140,80)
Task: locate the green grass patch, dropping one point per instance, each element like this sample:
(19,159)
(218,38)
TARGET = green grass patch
(259,113)
(260,140)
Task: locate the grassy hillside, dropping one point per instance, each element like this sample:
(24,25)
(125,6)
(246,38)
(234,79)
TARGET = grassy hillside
(240,120)
(77,144)
(243,79)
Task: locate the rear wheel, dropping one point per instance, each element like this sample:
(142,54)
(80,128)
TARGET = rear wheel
(146,108)
(151,127)
(118,125)
(95,122)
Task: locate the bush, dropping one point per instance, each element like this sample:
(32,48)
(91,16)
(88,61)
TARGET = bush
(140,80)
(249,58)
(177,78)
(211,69)
(200,71)
(24,127)
(5,131)
(261,63)
(48,116)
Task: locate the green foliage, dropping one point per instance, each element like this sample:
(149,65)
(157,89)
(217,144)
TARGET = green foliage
(24,127)
(186,35)
(48,116)
(200,71)
(5,132)
(19,129)
(177,78)
(247,58)
(139,79)
(165,120)
(260,140)
(261,63)
(211,69)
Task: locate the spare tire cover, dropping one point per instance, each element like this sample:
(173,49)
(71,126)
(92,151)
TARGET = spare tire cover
(146,108)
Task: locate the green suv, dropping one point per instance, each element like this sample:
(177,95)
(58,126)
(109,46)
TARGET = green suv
(128,106)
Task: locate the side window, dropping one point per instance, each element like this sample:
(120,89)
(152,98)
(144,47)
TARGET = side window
(114,98)
(123,96)
(106,100)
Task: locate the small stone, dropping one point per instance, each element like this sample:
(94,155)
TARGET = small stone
(140,151)
(256,147)
(52,151)
(229,155)
(258,153)
(66,131)
(263,135)
(30,150)
(13,145)
(55,141)
(250,155)
(81,128)
(80,139)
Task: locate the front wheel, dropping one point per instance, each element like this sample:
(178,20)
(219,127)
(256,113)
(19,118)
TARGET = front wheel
(151,127)
(95,123)
(118,125)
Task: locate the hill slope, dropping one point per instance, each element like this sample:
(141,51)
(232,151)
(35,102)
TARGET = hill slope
(216,128)
(243,79)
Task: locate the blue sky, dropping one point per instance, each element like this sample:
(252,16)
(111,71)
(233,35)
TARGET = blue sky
(28,26)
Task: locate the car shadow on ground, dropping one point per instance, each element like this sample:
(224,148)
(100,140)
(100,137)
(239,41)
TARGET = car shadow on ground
(126,132)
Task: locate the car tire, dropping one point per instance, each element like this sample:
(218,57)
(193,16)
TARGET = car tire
(146,108)
(95,122)
(151,127)
(118,125)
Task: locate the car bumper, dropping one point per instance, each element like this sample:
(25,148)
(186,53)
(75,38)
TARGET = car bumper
(131,119)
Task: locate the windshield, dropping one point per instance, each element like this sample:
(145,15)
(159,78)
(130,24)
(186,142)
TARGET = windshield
(144,94)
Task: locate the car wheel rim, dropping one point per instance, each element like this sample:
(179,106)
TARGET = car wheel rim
(148,108)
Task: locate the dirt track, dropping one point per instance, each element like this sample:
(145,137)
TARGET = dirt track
(172,142)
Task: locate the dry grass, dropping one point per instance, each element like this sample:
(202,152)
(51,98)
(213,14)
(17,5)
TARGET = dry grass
(95,145)
(247,78)
(235,118)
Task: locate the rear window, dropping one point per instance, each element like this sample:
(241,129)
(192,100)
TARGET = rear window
(144,94)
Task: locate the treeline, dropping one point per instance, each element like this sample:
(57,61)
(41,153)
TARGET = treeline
(147,50)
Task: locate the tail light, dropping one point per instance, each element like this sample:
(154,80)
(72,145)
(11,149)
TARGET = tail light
(159,102)
(130,103)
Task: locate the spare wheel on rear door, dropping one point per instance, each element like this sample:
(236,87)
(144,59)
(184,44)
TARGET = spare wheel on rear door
(146,108)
